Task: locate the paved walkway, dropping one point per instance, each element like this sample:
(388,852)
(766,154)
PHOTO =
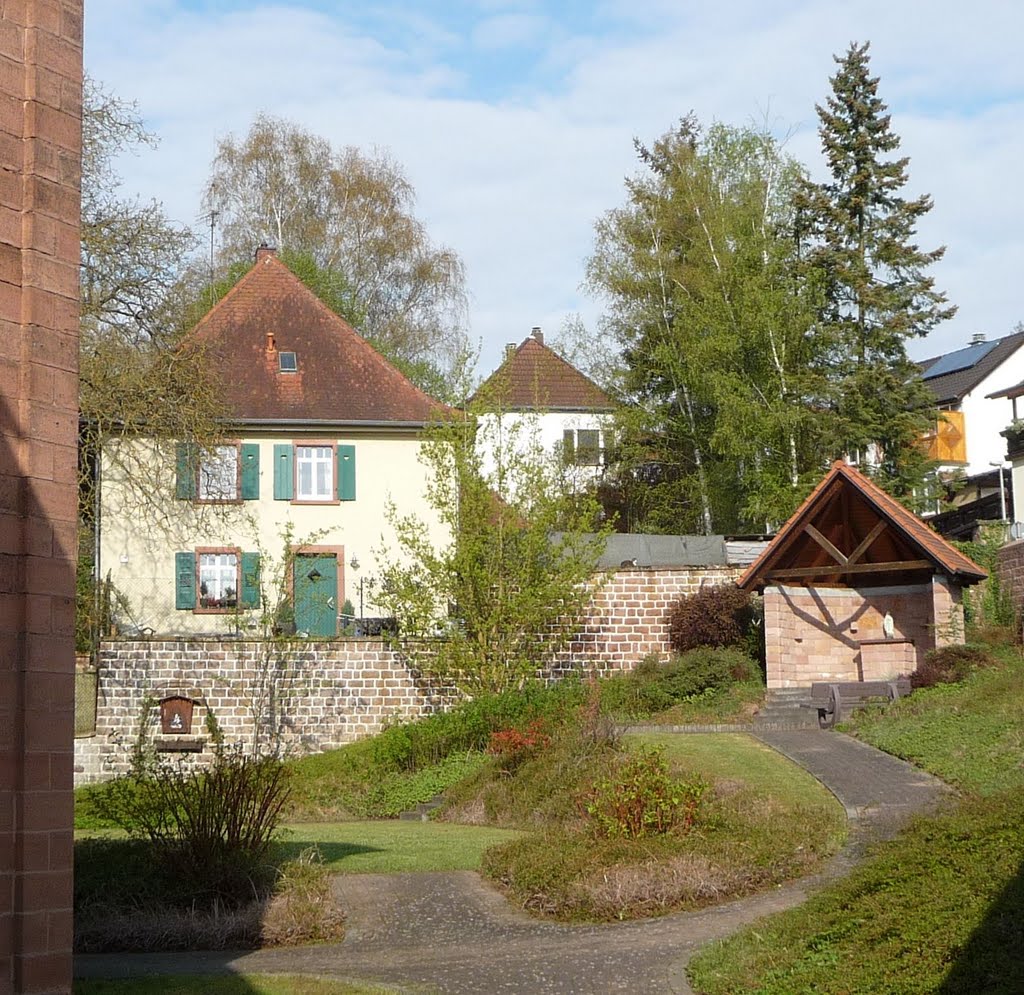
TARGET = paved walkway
(448,932)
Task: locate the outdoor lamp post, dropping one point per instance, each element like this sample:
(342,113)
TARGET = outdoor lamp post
(1002,491)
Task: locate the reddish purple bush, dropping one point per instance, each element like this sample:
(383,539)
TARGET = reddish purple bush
(714,616)
(948,665)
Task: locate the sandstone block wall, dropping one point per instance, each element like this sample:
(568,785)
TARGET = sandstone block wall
(319,695)
(304,696)
(1010,562)
(814,634)
(40,155)
(629,616)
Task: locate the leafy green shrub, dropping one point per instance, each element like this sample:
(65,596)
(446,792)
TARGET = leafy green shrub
(639,798)
(402,790)
(949,665)
(655,686)
(211,827)
(713,616)
(469,725)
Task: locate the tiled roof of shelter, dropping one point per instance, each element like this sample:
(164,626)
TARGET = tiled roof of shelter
(280,354)
(849,532)
(967,367)
(535,378)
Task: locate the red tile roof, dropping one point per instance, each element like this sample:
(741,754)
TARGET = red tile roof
(845,520)
(534,377)
(339,376)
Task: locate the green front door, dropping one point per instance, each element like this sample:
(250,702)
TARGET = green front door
(316,595)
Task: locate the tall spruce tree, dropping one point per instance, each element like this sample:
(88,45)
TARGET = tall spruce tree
(860,244)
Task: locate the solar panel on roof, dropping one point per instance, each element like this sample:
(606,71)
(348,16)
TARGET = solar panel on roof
(962,359)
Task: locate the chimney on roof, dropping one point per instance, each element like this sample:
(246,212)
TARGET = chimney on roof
(271,345)
(537,334)
(510,347)
(265,252)
(977,338)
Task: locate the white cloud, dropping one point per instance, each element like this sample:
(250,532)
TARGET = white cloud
(513,173)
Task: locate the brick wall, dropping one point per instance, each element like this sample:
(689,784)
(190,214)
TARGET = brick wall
(307,696)
(330,693)
(628,619)
(1010,564)
(40,145)
(814,634)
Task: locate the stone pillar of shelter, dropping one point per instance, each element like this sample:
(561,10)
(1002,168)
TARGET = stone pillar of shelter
(40,164)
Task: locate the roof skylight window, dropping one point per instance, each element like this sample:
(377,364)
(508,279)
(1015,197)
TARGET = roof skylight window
(288,362)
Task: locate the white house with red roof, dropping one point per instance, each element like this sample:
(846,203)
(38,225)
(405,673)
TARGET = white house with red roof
(323,434)
(542,402)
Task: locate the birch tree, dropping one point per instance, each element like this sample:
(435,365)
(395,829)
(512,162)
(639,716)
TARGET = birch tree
(351,212)
(713,325)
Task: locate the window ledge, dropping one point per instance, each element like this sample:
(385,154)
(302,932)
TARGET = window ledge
(179,744)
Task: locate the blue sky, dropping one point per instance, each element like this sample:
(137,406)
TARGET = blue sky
(514,119)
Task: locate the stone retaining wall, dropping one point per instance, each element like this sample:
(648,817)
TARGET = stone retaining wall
(313,696)
(1010,563)
(629,618)
(307,696)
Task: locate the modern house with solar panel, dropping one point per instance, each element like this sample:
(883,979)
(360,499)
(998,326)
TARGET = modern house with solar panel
(966,385)
(969,386)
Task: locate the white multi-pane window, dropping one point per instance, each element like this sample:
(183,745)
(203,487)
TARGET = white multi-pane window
(314,473)
(218,580)
(582,446)
(218,474)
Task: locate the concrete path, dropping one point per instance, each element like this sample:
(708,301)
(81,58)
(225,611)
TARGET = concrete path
(448,932)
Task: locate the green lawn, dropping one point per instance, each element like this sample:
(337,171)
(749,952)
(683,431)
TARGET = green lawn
(246,984)
(737,756)
(939,909)
(394,846)
(970,735)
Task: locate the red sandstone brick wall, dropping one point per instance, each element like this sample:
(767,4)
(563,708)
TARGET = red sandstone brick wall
(40,145)
(1010,560)
(813,634)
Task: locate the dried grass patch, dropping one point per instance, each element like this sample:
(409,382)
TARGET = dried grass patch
(629,891)
(471,812)
(103,928)
(300,910)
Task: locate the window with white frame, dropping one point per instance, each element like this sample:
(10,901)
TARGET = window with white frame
(314,473)
(219,474)
(218,579)
(582,446)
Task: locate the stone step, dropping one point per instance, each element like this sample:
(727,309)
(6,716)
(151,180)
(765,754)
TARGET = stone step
(421,812)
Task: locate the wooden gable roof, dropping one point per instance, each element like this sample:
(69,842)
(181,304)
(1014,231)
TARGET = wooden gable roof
(850,533)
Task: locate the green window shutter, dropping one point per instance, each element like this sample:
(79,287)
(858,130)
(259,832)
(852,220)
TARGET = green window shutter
(346,473)
(184,580)
(185,469)
(284,475)
(250,471)
(250,580)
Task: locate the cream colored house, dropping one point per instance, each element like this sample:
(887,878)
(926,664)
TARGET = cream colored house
(324,434)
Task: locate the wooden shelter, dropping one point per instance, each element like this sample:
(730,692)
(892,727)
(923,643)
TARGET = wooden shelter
(856,587)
